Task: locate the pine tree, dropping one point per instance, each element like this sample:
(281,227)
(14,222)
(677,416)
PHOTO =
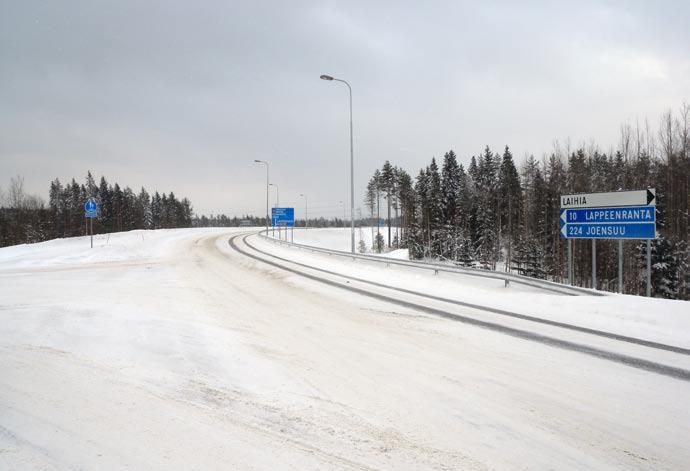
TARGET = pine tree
(406,197)
(105,211)
(57,208)
(435,203)
(370,199)
(450,188)
(91,188)
(387,182)
(665,281)
(118,204)
(487,188)
(129,210)
(145,218)
(417,237)
(554,261)
(510,202)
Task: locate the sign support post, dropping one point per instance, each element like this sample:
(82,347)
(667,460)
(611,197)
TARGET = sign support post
(90,212)
(649,268)
(620,266)
(594,264)
(570,262)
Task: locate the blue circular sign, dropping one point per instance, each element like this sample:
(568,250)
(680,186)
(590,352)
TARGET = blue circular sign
(90,206)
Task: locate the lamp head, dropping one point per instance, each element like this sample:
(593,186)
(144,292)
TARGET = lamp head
(326,77)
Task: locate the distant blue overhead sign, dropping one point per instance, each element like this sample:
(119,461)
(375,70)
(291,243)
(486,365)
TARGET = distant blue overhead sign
(90,208)
(283,217)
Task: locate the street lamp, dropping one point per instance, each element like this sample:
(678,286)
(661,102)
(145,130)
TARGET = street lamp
(352,166)
(277,194)
(306,212)
(343,203)
(267,217)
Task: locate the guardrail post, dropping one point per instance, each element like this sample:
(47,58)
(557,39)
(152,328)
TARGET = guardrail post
(507,282)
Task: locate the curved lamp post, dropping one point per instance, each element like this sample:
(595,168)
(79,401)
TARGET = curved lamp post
(267,216)
(306,212)
(352,166)
(277,194)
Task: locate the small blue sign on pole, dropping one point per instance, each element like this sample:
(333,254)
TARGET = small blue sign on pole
(91,208)
(283,217)
(91,212)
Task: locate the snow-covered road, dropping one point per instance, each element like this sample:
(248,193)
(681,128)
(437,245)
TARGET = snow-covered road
(170,350)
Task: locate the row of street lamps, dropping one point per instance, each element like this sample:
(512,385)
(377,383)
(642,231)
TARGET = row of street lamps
(269,184)
(352,178)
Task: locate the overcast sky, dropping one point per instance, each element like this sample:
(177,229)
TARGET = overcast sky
(183,96)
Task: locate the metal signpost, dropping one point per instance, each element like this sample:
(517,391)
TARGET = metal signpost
(283,217)
(91,211)
(616,215)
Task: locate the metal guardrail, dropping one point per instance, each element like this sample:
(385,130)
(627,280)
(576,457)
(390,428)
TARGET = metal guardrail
(437,268)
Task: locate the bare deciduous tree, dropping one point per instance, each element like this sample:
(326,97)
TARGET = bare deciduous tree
(16,192)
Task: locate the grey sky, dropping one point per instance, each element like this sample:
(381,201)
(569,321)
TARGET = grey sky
(183,96)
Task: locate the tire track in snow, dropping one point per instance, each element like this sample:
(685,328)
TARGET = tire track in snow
(639,363)
(503,312)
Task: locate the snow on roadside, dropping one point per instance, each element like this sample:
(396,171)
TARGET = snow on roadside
(338,238)
(211,360)
(116,247)
(660,320)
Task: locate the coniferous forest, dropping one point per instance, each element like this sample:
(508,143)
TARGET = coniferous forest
(496,214)
(25,218)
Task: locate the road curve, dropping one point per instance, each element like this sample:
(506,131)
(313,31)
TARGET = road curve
(635,362)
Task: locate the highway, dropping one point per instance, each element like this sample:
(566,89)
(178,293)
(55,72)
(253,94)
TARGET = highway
(205,349)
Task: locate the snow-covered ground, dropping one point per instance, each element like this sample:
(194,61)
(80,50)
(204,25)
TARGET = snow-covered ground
(659,320)
(169,350)
(339,239)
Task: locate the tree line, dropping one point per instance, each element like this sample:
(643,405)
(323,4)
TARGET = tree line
(26,218)
(497,215)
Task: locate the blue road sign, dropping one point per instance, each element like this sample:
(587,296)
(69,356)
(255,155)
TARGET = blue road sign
(640,230)
(634,222)
(283,217)
(622,215)
(91,208)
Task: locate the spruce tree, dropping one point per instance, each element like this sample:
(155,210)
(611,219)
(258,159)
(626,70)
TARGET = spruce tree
(387,182)
(510,201)
(450,187)
(105,211)
(435,202)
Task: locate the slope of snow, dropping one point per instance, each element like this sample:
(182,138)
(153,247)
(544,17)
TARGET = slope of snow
(175,352)
(339,239)
(119,247)
(660,320)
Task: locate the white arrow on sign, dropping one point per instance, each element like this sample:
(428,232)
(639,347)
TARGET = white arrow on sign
(564,231)
(610,199)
